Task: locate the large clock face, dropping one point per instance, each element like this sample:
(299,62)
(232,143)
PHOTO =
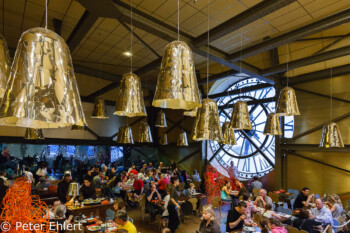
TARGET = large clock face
(254,153)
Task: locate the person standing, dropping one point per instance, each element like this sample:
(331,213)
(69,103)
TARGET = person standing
(173,205)
(256,184)
(303,199)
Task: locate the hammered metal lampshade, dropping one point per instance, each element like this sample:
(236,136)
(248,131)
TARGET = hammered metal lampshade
(163,139)
(287,103)
(331,136)
(78,127)
(4,65)
(207,124)
(41,91)
(177,86)
(73,189)
(125,135)
(228,134)
(182,140)
(145,134)
(99,111)
(130,101)
(240,116)
(191,113)
(272,125)
(33,134)
(161,120)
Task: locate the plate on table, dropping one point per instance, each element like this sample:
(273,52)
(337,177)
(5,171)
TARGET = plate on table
(94,228)
(249,229)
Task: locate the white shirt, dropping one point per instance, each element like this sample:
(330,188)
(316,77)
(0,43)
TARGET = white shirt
(166,202)
(323,215)
(41,172)
(29,175)
(4,178)
(141,176)
(130,182)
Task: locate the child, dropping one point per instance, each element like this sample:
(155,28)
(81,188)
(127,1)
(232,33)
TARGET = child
(276,226)
(269,213)
(191,190)
(264,224)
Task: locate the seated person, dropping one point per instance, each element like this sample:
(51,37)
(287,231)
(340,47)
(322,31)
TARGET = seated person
(236,217)
(226,191)
(303,222)
(249,210)
(56,202)
(256,184)
(195,176)
(263,199)
(321,213)
(269,213)
(191,190)
(276,226)
(131,179)
(62,189)
(87,190)
(303,199)
(121,218)
(42,184)
(264,224)
(60,218)
(163,181)
(133,170)
(138,187)
(335,205)
(152,201)
(118,204)
(97,181)
(237,185)
(208,223)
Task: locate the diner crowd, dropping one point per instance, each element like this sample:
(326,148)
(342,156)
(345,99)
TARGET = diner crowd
(165,190)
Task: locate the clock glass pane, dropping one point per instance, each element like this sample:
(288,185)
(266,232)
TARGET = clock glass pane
(254,153)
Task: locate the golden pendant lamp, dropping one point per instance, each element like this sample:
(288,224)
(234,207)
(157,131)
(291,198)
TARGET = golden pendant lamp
(207,124)
(77,127)
(177,86)
(287,103)
(33,134)
(191,113)
(125,135)
(331,136)
(272,125)
(182,140)
(42,90)
(4,65)
(130,102)
(99,111)
(145,133)
(161,120)
(228,134)
(240,116)
(163,139)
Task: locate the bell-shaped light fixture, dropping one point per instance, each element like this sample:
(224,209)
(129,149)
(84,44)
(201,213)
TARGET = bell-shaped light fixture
(99,111)
(41,91)
(182,140)
(240,116)
(33,134)
(331,136)
(228,134)
(177,86)
(161,120)
(77,127)
(130,101)
(163,139)
(4,65)
(272,125)
(207,124)
(125,135)
(191,113)
(287,103)
(145,133)
(73,189)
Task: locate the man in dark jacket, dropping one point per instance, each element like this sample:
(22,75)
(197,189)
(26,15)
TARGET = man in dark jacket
(62,188)
(3,187)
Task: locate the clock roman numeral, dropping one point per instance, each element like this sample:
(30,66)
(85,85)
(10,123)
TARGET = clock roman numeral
(246,165)
(263,164)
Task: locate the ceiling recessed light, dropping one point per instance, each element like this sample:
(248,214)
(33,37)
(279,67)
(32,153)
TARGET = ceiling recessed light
(127,54)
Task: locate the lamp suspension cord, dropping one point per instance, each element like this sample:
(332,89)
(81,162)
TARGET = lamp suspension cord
(178,20)
(131,37)
(3,17)
(287,64)
(240,67)
(208,55)
(45,14)
(331,94)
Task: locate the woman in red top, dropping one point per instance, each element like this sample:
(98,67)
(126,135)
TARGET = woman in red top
(237,185)
(162,185)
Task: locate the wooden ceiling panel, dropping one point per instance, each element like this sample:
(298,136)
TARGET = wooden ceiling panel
(150,5)
(223,10)
(250,3)
(167,9)
(322,8)
(89,84)
(286,11)
(295,19)
(307,69)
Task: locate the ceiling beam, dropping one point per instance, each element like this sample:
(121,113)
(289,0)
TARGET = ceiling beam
(313,147)
(321,74)
(246,17)
(85,23)
(249,102)
(240,90)
(121,12)
(301,32)
(216,77)
(331,44)
(340,52)
(322,95)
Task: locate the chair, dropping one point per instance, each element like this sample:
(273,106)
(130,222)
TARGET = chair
(293,230)
(317,195)
(280,209)
(292,203)
(288,211)
(273,206)
(290,190)
(185,192)
(256,192)
(197,184)
(216,203)
(194,202)
(187,210)
(181,187)
(109,215)
(142,207)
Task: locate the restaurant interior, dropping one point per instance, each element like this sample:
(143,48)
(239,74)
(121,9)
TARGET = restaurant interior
(203,116)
